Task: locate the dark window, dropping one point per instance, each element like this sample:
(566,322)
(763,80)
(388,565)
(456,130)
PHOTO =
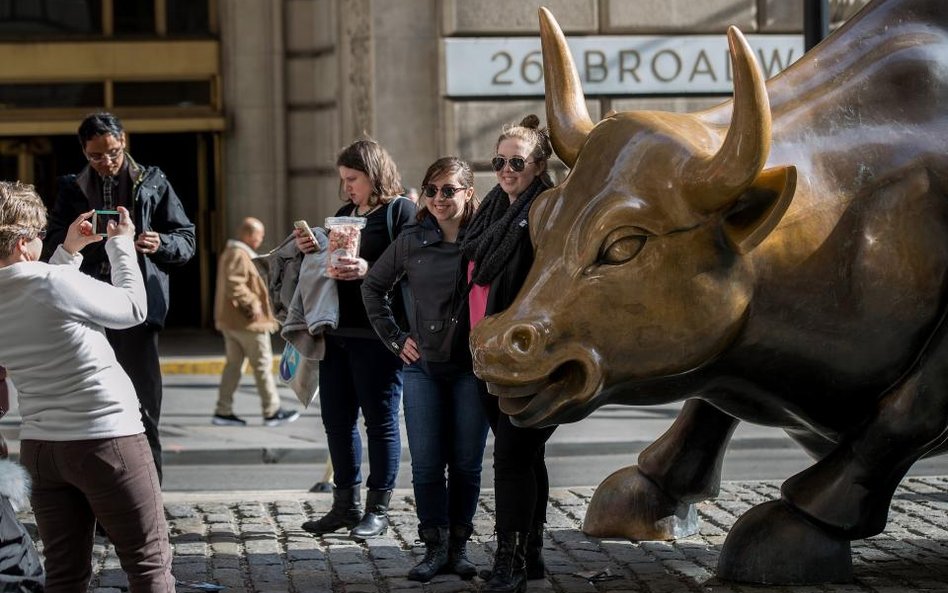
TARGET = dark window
(29,96)
(134,17)
(151,94)
(188,17)
(50,18)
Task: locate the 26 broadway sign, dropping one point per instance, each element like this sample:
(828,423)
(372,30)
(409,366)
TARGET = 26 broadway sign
(633,65)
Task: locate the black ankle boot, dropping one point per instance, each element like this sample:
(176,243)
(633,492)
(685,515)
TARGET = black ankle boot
(458,562)
(536,568)
(509,574)
(375,520)
(346,512)
(436,554)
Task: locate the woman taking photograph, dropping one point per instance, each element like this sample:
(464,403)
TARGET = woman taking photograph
(82,438)
(445,420)
(357,372)
(498,246)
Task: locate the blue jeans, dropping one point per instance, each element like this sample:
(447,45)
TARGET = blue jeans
(447,428)
(361,374)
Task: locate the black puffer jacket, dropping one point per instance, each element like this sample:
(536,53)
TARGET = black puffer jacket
(435,272)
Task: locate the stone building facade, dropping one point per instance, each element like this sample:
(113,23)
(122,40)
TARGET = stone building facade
(245,103)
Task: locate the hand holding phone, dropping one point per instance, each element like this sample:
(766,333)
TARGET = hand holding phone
(305,239)
(100,221)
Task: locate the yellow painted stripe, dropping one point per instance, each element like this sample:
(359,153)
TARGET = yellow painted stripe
(199,365)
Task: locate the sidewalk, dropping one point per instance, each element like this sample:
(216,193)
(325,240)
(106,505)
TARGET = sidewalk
(252,543)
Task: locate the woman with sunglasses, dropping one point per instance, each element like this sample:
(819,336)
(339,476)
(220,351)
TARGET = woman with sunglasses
(82,438)
(498,246)
(444,418)
(357,373)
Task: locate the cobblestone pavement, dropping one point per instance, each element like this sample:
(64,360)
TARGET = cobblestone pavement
(252,543)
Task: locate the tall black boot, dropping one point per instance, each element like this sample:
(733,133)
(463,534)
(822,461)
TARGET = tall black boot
(509,574)
(436,554)
(458,561)
(536,568)
(346,512)
(375,520)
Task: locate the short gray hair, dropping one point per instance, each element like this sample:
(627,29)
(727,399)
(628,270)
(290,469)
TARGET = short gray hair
(22,214)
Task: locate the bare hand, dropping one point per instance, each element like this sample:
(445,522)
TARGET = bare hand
(79,234)
(350,268)
(304,242)
(148,242)
(124,227)
(409,353)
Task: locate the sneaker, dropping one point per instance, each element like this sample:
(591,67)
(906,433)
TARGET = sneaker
(229,420)
(281,417)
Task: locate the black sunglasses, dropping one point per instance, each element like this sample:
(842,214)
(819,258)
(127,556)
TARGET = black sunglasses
(516,163)
(41,234)
(447,191)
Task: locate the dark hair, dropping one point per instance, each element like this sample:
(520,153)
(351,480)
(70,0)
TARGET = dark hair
(529,131)
(99,124)
(368,156)
(449,166)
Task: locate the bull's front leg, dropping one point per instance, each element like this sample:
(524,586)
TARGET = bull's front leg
(655,499)
(846,495)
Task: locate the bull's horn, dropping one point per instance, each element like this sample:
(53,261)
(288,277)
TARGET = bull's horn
(566,112)
(715,181)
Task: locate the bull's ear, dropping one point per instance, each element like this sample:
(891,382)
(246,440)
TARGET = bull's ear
(756,213)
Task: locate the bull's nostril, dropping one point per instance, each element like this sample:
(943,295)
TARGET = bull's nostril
(522,338)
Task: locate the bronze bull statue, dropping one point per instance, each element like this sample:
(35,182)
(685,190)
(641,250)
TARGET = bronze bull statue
(781,259)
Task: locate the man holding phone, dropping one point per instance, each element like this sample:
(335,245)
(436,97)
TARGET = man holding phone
(166,239)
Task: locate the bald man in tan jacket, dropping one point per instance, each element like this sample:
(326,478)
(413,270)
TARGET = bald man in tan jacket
(242,313)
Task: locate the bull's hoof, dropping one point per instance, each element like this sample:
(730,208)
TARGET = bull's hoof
(628,504)
(772,544)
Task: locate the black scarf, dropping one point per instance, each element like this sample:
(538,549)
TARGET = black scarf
(493,234)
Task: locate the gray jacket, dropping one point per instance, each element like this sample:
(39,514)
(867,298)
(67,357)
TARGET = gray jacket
(304,300)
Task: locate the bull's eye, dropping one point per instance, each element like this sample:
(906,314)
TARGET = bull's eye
(621,245)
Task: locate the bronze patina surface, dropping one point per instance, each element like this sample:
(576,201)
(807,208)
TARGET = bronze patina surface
(780,259)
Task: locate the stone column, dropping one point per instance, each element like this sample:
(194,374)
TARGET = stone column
(254,159)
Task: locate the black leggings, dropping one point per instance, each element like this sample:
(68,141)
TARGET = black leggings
(521,483)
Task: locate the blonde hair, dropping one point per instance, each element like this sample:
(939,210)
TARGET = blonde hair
(529,131)
(22,214)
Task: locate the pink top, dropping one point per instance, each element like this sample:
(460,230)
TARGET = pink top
(477,300)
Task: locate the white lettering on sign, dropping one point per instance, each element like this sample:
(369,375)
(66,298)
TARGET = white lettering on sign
(626,65)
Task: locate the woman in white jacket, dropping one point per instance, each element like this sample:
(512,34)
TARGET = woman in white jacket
(82,437)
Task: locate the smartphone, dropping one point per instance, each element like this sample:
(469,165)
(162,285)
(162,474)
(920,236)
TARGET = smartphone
(304,226)
(100,221)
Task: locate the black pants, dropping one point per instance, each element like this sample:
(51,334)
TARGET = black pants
(136,349)
(521,483)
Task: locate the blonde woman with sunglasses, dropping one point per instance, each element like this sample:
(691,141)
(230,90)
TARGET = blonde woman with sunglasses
(498,247)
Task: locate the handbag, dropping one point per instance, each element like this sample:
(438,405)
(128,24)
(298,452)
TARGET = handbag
(300,374)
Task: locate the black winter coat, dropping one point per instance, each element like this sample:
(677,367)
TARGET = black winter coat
(436,274)
(156,207)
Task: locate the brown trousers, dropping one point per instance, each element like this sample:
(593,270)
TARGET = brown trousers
(113,481)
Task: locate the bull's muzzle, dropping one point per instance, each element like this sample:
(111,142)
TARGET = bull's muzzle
(506,353)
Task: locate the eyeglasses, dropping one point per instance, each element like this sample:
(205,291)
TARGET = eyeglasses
(41,234)
(112,155)
(516,163)
(447,191)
